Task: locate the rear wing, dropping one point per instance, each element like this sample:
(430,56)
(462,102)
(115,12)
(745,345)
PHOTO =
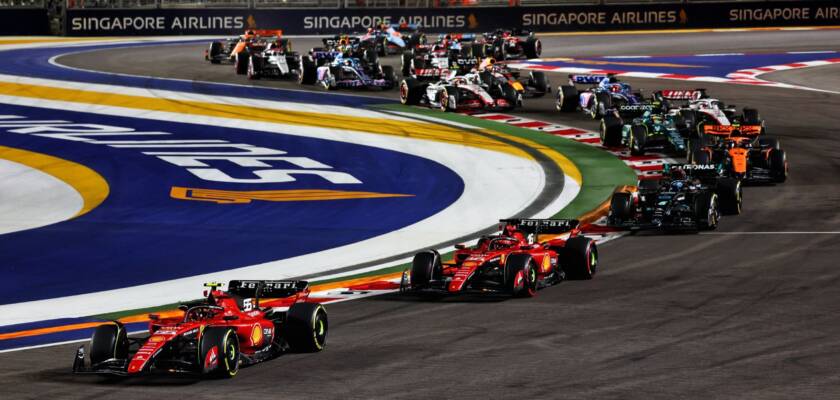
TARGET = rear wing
(266,289)
(703,172)
(732,130)
(684,95)
(268,32)
(336,40)
(539,226)
(586,79)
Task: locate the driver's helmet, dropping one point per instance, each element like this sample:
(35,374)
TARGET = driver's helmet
(678,174)
(656,119)
(472,79)
(677,185)
(615,88)
(348,62)
(344,40)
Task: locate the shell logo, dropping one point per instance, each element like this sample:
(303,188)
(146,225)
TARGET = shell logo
(256,335)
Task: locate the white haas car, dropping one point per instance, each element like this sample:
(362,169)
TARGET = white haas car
(459,93)
(700,110)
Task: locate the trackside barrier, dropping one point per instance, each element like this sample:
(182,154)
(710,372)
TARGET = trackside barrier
(204,21)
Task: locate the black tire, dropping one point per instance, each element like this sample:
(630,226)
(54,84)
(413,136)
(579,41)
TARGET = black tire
(479,50)
(778,165)
(241,62)
(411,91)
(445,94)
(425,267)
(603,103)
(389,76)
(751,117)
(109,341)
(706,211)
(532,47)
(382,50)
(730,196)
(511,96)
(466,52)
(521,275)
(701,157)
(405,65)
(579,258)
(216,49)
(769,142)
(621,208)
(306,327)
(308,71)
(225,344)
(611,127)
(541,84)
(254,67)
(567,98)
(371,57)
(638,137)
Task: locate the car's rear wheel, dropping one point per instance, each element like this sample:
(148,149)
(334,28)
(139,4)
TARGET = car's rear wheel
(638,137)
(308,71)
(621,208)
(567,98)
(730,196)
(706,211)
(306,327)
(778,165)
(241,62)
(579,258)
(611,127)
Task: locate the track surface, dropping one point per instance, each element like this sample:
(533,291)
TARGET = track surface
(748,311)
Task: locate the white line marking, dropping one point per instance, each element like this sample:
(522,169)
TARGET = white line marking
(718,54)
(813,52)
(774,233)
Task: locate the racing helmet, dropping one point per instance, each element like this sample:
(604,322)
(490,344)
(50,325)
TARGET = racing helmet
(677,185)
(615,88)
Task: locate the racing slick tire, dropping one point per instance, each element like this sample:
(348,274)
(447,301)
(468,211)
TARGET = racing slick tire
(638,137)
(466,52)
(109,341)
(499,50)
(700,156)
(579,258)
(240,63)
(306,327)
(621,208)
(751,117)
(521,275)
(308,71)
(382,49)
(567,98)
(389,76)
(532,47)
(611,127)
(769,142)
(778,165)
(254,67)
(405,64)
(603,102)
(730,196)
(218,353)
(511,96)
(214,52)
(706,212)
(371,57)
(540,82)
(444,100)
(411,91)
(425,267)
(479,50)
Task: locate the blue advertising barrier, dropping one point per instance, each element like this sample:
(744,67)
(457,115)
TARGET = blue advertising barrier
(83,22)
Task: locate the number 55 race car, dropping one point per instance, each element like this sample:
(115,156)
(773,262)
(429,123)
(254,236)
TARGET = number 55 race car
(215,336)
(528,255)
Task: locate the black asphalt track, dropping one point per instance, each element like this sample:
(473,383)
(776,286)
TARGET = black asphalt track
(749,311)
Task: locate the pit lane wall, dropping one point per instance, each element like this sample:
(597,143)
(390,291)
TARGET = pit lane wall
(102,22)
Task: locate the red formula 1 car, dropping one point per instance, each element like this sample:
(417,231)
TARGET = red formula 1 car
(214,336)
(529,254)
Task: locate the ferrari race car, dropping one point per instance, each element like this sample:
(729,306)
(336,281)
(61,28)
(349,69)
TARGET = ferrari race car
(392,39)
(528,255)
(433,61)
(276,60)
(741,152)
(458,93)
(689,197)
(336,70)
(214,336)
(605,94)
(535,85)
(651,131)
(508,44)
